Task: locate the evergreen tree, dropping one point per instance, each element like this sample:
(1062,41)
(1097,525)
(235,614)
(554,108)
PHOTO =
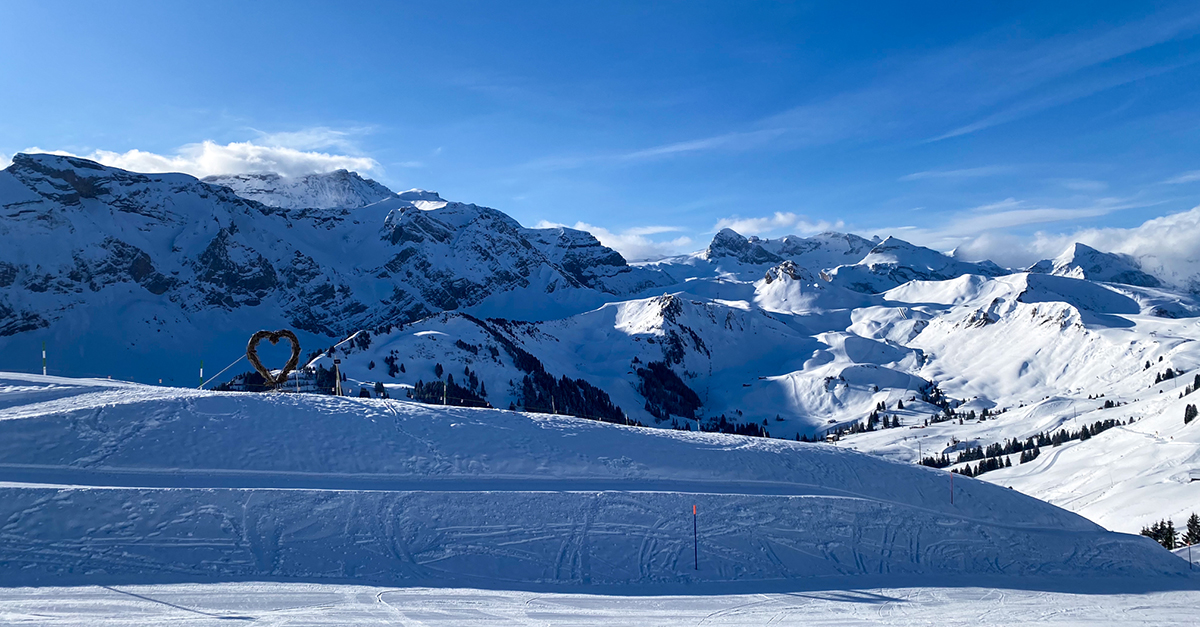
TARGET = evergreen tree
(1192,533)
(1189,414)
(380,391)
(900,404)
(437,370)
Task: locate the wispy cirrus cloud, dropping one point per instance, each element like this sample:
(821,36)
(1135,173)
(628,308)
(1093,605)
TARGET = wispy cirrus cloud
(1186,177)
(993,79)
(776,224)
(1057,96)
(962,173)
(316,138)
(984,231)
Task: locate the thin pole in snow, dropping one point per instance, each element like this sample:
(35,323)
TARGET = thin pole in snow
(201,373)
(43,358)
(695,538)
(952,487)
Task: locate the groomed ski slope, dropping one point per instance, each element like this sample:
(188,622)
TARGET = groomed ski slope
(196,605)
(119,484)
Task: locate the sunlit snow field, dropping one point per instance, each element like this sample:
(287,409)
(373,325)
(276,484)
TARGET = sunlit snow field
(309,604)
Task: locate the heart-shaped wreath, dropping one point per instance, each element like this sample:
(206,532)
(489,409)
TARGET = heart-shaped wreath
(273,337)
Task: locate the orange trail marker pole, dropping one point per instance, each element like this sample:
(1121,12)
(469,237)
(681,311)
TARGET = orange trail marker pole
(695,540)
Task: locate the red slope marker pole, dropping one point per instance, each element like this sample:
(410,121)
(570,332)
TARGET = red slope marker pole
(695,539)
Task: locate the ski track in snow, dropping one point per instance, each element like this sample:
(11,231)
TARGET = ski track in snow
(306,604)
(127,484)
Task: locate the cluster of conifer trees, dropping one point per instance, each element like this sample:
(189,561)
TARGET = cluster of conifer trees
(1166,375)
(1191,388)
(541,392)
(471,393)
(721,424)
(990,457)
(875,420)
(989,464)
(665,393)
(1164,533)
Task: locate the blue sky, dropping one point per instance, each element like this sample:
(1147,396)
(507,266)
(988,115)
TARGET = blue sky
(1000,129)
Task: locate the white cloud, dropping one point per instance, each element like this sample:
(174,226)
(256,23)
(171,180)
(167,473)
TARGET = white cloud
(633,243)
(315,138)
(1168,246)
(793,223)
(969,230)
(208,158)
(1186,177)
(956,174)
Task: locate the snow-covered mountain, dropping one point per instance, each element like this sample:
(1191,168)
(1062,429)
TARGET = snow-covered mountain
(143,276)
(894,262)
(1084,262)
(340,189)
(105,260)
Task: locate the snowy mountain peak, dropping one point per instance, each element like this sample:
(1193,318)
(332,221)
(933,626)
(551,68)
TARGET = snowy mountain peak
(339,189)
(420,194)
(894,261)
(1081,261)
(730,243)
(68,180)
(788,271)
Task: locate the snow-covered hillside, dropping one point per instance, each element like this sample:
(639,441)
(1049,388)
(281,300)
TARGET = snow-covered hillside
(119,483)
(144,277)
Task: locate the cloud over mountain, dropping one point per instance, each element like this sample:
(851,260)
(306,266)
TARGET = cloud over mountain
(208,158)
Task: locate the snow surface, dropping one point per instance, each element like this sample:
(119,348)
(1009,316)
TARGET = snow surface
(326,604)
(119,484)
(143,276)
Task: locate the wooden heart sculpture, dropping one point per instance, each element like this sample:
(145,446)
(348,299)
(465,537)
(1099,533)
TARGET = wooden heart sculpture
(273,337)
